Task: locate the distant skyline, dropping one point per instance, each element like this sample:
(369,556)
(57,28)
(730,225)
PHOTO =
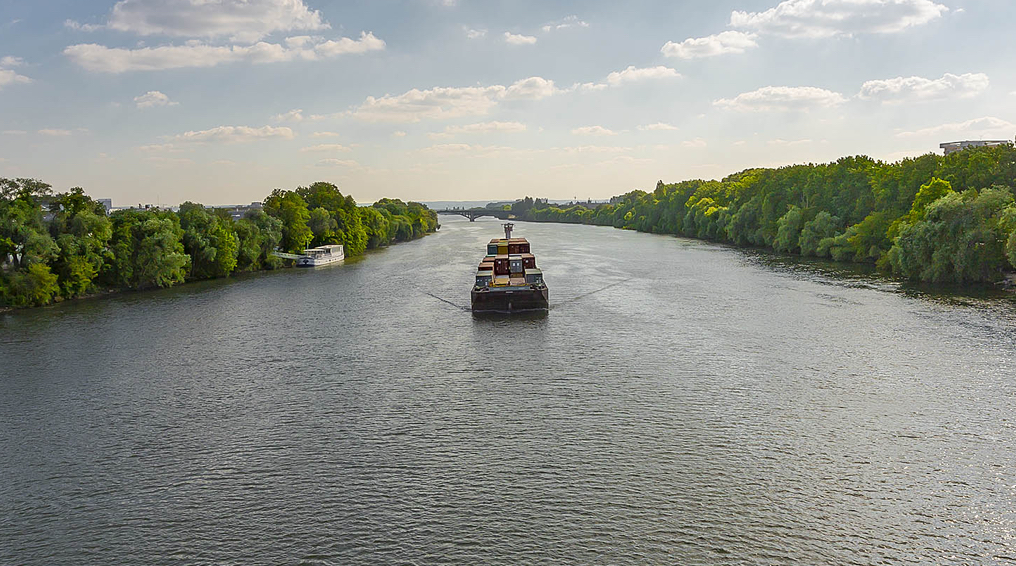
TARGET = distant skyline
(221,101)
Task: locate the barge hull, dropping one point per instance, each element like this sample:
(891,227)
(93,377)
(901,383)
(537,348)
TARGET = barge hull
(510,300)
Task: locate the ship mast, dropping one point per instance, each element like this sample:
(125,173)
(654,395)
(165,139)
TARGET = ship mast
(508,230)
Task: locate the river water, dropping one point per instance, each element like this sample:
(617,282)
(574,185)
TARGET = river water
(681,403)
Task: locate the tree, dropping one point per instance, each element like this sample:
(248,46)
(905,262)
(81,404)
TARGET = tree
(147,251)
(210,241)
(823,226)
(259,235)
(291,209)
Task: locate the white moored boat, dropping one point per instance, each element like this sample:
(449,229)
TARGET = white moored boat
(321,255)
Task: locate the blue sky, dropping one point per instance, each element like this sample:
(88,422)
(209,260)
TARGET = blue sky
(220,101)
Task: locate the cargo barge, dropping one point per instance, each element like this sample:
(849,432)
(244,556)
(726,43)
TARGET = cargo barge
(507,279)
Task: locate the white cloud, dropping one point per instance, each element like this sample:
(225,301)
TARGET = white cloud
(55,132)
(398,134)
(533,88)
(590,86)
(785,143)
(568,22)
(572,150)
(77,26)
(986,127)
(295,115)
(633,74)
(832,18)
(620,159)
(9,77)
(103,59)
(710,46)
(450,102)
(168,161)
(518,39)
(152,99)
(337,163)
(593,131)
(484,128)
(910,89)
(475,33)
(657,126)
(697,142)
(474,151)
(782,98)
(326,147)
(13,132)
(243,20)
(324,135)
(435,103)
(232,135)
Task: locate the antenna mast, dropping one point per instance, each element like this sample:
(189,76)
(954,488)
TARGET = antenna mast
(508,230)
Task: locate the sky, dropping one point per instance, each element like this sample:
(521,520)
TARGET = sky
(222,101)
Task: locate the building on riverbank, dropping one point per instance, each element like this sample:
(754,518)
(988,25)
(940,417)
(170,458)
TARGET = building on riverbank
(953,147)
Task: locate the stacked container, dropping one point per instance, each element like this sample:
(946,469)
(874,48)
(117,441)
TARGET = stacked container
(508,262)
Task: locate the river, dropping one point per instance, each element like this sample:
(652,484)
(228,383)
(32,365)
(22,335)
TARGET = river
(681,403)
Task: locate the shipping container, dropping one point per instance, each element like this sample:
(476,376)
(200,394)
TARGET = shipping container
(502,249)
(491,249)
(483,278)
(500,281)
(502,266)
(529,261)
(515,266)
(534,276)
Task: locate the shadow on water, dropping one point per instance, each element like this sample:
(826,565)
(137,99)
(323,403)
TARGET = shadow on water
(841,274)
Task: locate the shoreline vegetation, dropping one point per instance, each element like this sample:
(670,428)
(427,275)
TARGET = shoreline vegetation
(55,247)
(930,219)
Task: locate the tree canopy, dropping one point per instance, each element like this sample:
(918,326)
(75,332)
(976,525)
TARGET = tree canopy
(930,218)
(55,247)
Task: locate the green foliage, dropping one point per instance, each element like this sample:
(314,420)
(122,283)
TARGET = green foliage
(963,238)
(33,286)
(210,240)
(854,209)
(823,226)
(147,250)
(77,249)
(259,235)
(930,192)
(788,230)
(291,209)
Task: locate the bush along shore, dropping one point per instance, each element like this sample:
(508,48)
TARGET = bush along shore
(935,219)
(62,246)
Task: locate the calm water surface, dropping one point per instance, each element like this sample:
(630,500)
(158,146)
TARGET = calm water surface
(681,403)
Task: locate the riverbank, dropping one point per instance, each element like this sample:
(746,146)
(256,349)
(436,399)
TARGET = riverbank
(77,249)
(934,219)
(235,277)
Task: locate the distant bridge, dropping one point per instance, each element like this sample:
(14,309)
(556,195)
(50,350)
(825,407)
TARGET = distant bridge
(473,213)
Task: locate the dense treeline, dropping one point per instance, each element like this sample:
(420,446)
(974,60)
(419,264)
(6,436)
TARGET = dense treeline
(61,246)
(938,219)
